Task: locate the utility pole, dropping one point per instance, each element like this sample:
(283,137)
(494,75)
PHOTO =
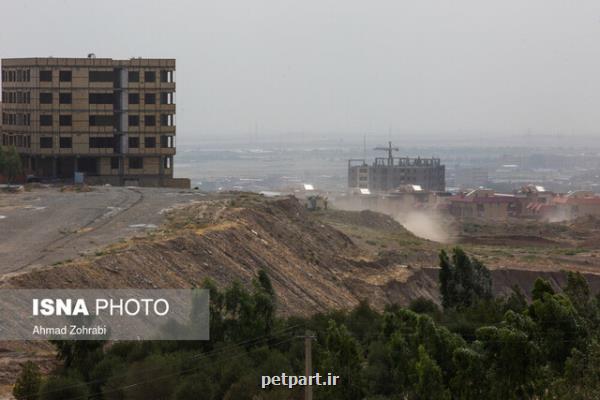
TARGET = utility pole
(308,370)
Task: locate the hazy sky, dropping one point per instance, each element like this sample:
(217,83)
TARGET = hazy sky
(343,67)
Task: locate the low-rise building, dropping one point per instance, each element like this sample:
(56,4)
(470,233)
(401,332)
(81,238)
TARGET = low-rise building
(569,206)
(482,203)
(531,199)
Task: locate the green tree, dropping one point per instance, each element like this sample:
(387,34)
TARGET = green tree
(578,291)
(364,322)
(546,350)
(248,314)
(430,384)
(79,355)
(216,307)
(541,286)
(516,301)
(103,370)
(59,387)
(264,303)
(446,279)
(463,280)
(469,381)
(421,305)
(194,387)
(582,375)
(153,378)
(438,341)
(28,383)
(379,372)
(11,164)
(510,360)
(559,327)
(343,357)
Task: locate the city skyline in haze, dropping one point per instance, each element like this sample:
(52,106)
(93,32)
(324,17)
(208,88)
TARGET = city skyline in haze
(289,69)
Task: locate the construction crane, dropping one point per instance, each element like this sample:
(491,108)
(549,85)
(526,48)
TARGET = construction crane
(390,151)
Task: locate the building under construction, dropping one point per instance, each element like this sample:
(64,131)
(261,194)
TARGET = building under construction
(386,174)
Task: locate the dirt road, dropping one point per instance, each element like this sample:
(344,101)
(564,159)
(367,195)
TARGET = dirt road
(46,226)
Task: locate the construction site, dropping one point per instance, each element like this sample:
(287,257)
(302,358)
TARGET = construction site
(389,173)
(213,159)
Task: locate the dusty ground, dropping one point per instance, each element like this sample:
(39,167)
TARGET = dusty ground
(46,226)
(316,260)
(534,245)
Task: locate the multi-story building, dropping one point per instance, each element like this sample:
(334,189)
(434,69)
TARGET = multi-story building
(112,120)
(389,173)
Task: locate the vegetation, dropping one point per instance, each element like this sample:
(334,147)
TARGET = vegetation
(27,386)
(463,280)
(475,347)
(10,163)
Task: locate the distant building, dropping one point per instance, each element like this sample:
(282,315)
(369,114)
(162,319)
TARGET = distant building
(402,200)
(112,120)
(483,203)
(531,199)
(387,174)
(567,206)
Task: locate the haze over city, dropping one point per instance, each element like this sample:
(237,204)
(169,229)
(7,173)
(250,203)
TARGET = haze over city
(234,199)
(280,69)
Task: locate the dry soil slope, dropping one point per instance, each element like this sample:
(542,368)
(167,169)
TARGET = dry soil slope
(313,265)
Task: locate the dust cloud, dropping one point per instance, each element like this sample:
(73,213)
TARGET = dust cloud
(424,225)
(428,225)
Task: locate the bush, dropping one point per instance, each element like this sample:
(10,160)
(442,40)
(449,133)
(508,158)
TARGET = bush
(61,387)
(28,383)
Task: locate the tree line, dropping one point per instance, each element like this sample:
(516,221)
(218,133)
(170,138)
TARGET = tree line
(475,346)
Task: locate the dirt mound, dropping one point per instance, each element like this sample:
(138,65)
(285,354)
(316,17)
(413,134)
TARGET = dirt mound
(317,260)
(313,265)
(589,222)
(509,240)
(77,188)
(367,219)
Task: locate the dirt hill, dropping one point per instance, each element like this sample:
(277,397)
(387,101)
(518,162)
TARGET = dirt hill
(313,265)
(317,260)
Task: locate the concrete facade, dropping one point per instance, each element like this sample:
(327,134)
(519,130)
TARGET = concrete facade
(113,120)
(389,173)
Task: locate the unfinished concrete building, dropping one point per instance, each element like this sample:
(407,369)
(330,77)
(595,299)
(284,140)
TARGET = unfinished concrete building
(389,173)
(112,120)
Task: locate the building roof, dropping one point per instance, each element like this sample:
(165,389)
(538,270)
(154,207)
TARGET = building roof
(87,62)
(568,200)
(481,200)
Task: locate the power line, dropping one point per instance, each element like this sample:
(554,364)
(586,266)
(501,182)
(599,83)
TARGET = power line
(197,356)
(177,372)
